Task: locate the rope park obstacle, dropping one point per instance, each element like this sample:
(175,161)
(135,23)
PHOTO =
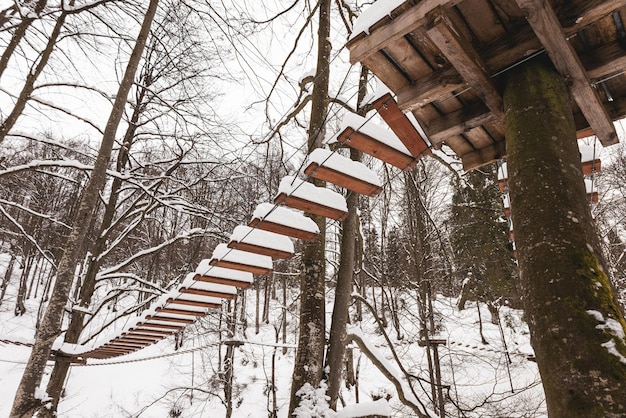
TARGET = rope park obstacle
(253,247)
(442,63)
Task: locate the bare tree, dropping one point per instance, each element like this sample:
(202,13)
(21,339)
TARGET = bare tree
(25,401)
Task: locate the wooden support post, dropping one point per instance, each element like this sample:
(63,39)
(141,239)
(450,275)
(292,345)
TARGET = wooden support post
(547,27)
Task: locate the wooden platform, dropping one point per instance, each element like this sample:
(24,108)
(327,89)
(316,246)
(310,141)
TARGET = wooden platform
(445,60)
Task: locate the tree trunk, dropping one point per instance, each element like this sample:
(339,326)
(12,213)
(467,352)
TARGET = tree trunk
(7,277)
(25,402)
(576,327)
(343,290)
(19,33)
(309,357)
(29,84)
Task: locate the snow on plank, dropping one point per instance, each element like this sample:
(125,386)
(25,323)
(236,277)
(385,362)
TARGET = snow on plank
(357,133)
(284,221)
(240,260)
(329,166)
(220,275)
(507,205)
(592,191)
(261,242)
(299,194)
(401,125)
(590,161)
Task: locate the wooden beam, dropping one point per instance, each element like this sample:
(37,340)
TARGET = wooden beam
(616,111)
(397,28)
(434,86)
(547,27)
(465,59)
(605,60)
(457,122)
(484,156)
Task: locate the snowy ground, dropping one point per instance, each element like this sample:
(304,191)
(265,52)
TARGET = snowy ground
(157,381)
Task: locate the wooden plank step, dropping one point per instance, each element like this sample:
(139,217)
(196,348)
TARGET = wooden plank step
(207,273)
(170,319)
(590,161)
(305,196)
(205,293)
(261,242)
(240,260)
(194,280)
(329,166)
(283,221)
(592,191)
(401,125)
(157,325)
(149,331)
(144,337)
(195,303)
(354,137)
(180,312)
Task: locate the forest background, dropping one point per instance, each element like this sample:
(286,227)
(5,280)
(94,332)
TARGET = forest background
(216,115)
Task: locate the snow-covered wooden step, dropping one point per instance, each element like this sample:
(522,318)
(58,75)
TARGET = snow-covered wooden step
(183,312)
(138,336)
(507,205)
(147,324)
(240,260)
(329,166)
(261,242)
(280,220)
(202,303)
(305,196)
(589,159)
(356,132)
(205,272)
(168,319)
(592,191)
(401,125)
(207,291)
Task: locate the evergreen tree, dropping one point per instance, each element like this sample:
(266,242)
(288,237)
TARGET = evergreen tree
(479,239)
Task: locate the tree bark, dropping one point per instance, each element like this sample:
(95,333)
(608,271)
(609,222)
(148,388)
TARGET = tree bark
(19,33)
(309,358)
(343,290)
(75,328)
(576,327)
(25,402)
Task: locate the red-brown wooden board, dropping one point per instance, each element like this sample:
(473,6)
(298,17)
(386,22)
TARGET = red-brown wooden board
(347,181)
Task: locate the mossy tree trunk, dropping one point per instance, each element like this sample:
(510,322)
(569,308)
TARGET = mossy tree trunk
(577,329)
(309,360)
